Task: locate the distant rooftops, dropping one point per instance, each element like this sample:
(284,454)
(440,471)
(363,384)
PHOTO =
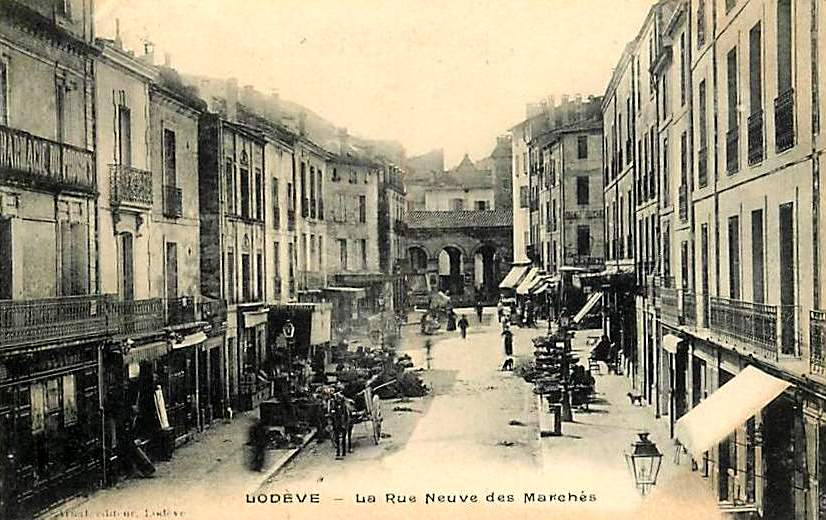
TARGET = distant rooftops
(459,219)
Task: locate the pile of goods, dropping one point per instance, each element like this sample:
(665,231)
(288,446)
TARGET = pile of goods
(392,378)
(554,368)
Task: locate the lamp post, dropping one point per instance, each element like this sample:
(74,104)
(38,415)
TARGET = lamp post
(564,323)
(644,462)
(289,333)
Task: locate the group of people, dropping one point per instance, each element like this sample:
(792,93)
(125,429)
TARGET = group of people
(608,352)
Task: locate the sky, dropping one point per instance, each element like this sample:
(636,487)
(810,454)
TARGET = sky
(450,74)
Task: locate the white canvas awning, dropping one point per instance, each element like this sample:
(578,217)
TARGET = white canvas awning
(191,339)
(527,282)
(515,276)
(592,301)
(670,342)
(731,405)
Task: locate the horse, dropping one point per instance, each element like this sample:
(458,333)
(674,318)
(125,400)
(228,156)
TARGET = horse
(342,422)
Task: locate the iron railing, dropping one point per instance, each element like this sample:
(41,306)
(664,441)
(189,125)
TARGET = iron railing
(817,341)
(130,185)
(213,310)
(767,330)
(756,137)
(173,205)
(733,150)
(181,310)
(50,319)
(33,158)
(784,121)
(134,317)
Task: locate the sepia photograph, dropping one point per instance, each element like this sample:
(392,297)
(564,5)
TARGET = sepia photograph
(302,259)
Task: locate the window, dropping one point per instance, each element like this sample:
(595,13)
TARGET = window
(320,195)
(304,261)
(276,205)
(702,166)
(312,250)
(784,46)
(523,196)
(259,275)
(683,67)
(124,135)
(684,159)
(169,158)
(335,177)
(362,209)
(4,93)
(734,257)
(245,192)
(127,267)
(230,269)
(457,204)
(666,181)
(667,252)
(246,277)
(757,256)
(583,240)
(320,253)
(363,251)
(312,192)
(229,171)
(60,108)
(276,253)
(582,147)
(259,206)
(685,280)
(304,202)
(732,138)
(342,254)
(481,205)
(171,270)
(582,195)
(755,69)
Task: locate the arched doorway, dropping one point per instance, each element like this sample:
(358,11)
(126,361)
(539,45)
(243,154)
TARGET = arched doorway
(486,269)
(450,271)
(418,259)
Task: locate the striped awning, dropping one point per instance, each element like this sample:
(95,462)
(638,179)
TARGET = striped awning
(516,274)
(590,304)
(528,282)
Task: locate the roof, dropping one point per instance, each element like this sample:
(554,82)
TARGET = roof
(459,219)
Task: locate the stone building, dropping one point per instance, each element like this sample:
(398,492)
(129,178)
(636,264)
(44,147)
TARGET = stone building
(726,232)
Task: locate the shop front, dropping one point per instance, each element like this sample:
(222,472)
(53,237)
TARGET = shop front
(255,381)
(50,434)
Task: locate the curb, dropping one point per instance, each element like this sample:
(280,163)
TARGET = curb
(286,459)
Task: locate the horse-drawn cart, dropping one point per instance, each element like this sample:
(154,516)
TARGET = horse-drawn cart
(370,413)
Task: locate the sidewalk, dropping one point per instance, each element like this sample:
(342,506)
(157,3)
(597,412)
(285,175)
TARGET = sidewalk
(591,451)
(210,470)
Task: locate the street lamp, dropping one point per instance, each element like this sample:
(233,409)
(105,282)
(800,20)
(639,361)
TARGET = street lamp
(289,333)
(644,462)
(288,329)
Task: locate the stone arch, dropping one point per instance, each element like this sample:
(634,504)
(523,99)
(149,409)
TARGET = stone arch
(419,258)
(450,269)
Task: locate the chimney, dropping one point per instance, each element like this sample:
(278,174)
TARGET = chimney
(232,99)
(148,52)
(565,109)
(343,141)
(302,123)
(118,41)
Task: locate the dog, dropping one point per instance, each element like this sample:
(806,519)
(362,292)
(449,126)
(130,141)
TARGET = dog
(636,399)
(507,366)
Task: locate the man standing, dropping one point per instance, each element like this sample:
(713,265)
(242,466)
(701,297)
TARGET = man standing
(463,325)
(479,309)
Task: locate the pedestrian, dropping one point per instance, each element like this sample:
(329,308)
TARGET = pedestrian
(428,348)
(258,443)
(507,337)
(479,309)
(500,310)
(463,325)
(451,320)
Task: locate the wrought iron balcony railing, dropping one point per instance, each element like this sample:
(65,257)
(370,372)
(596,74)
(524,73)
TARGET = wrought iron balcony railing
(51,319)
(768,330)
(130,185)
(683,202)
(29,158)
(784,121)
(817,341)
(733,151)
(213,310)
(756,137)
(702,167)
(134,317)
(181,311)
(172,201)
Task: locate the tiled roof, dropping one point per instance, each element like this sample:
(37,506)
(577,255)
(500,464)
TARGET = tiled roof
(459,219)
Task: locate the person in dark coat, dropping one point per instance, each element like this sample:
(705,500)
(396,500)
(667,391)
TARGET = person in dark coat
(507,338)
(451,320)
(258,443)
(479,309)
(463,325)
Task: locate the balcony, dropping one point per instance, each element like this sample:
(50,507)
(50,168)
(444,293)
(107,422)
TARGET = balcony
(767,330)
(130,186)
(702,167)
(733,151)
(688,299)
(669,305)
(42,162)
(784,121)
(756,137)
(52,319)
(182,311)
(817,341)
(683,202)
(173,204)
(136,317)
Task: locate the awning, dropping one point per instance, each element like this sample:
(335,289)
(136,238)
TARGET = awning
(592,301)
(255,318)
(190,339)
(527,283)
(670,342)
(540,287)
(723,411)
(515,276)
(357,292)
